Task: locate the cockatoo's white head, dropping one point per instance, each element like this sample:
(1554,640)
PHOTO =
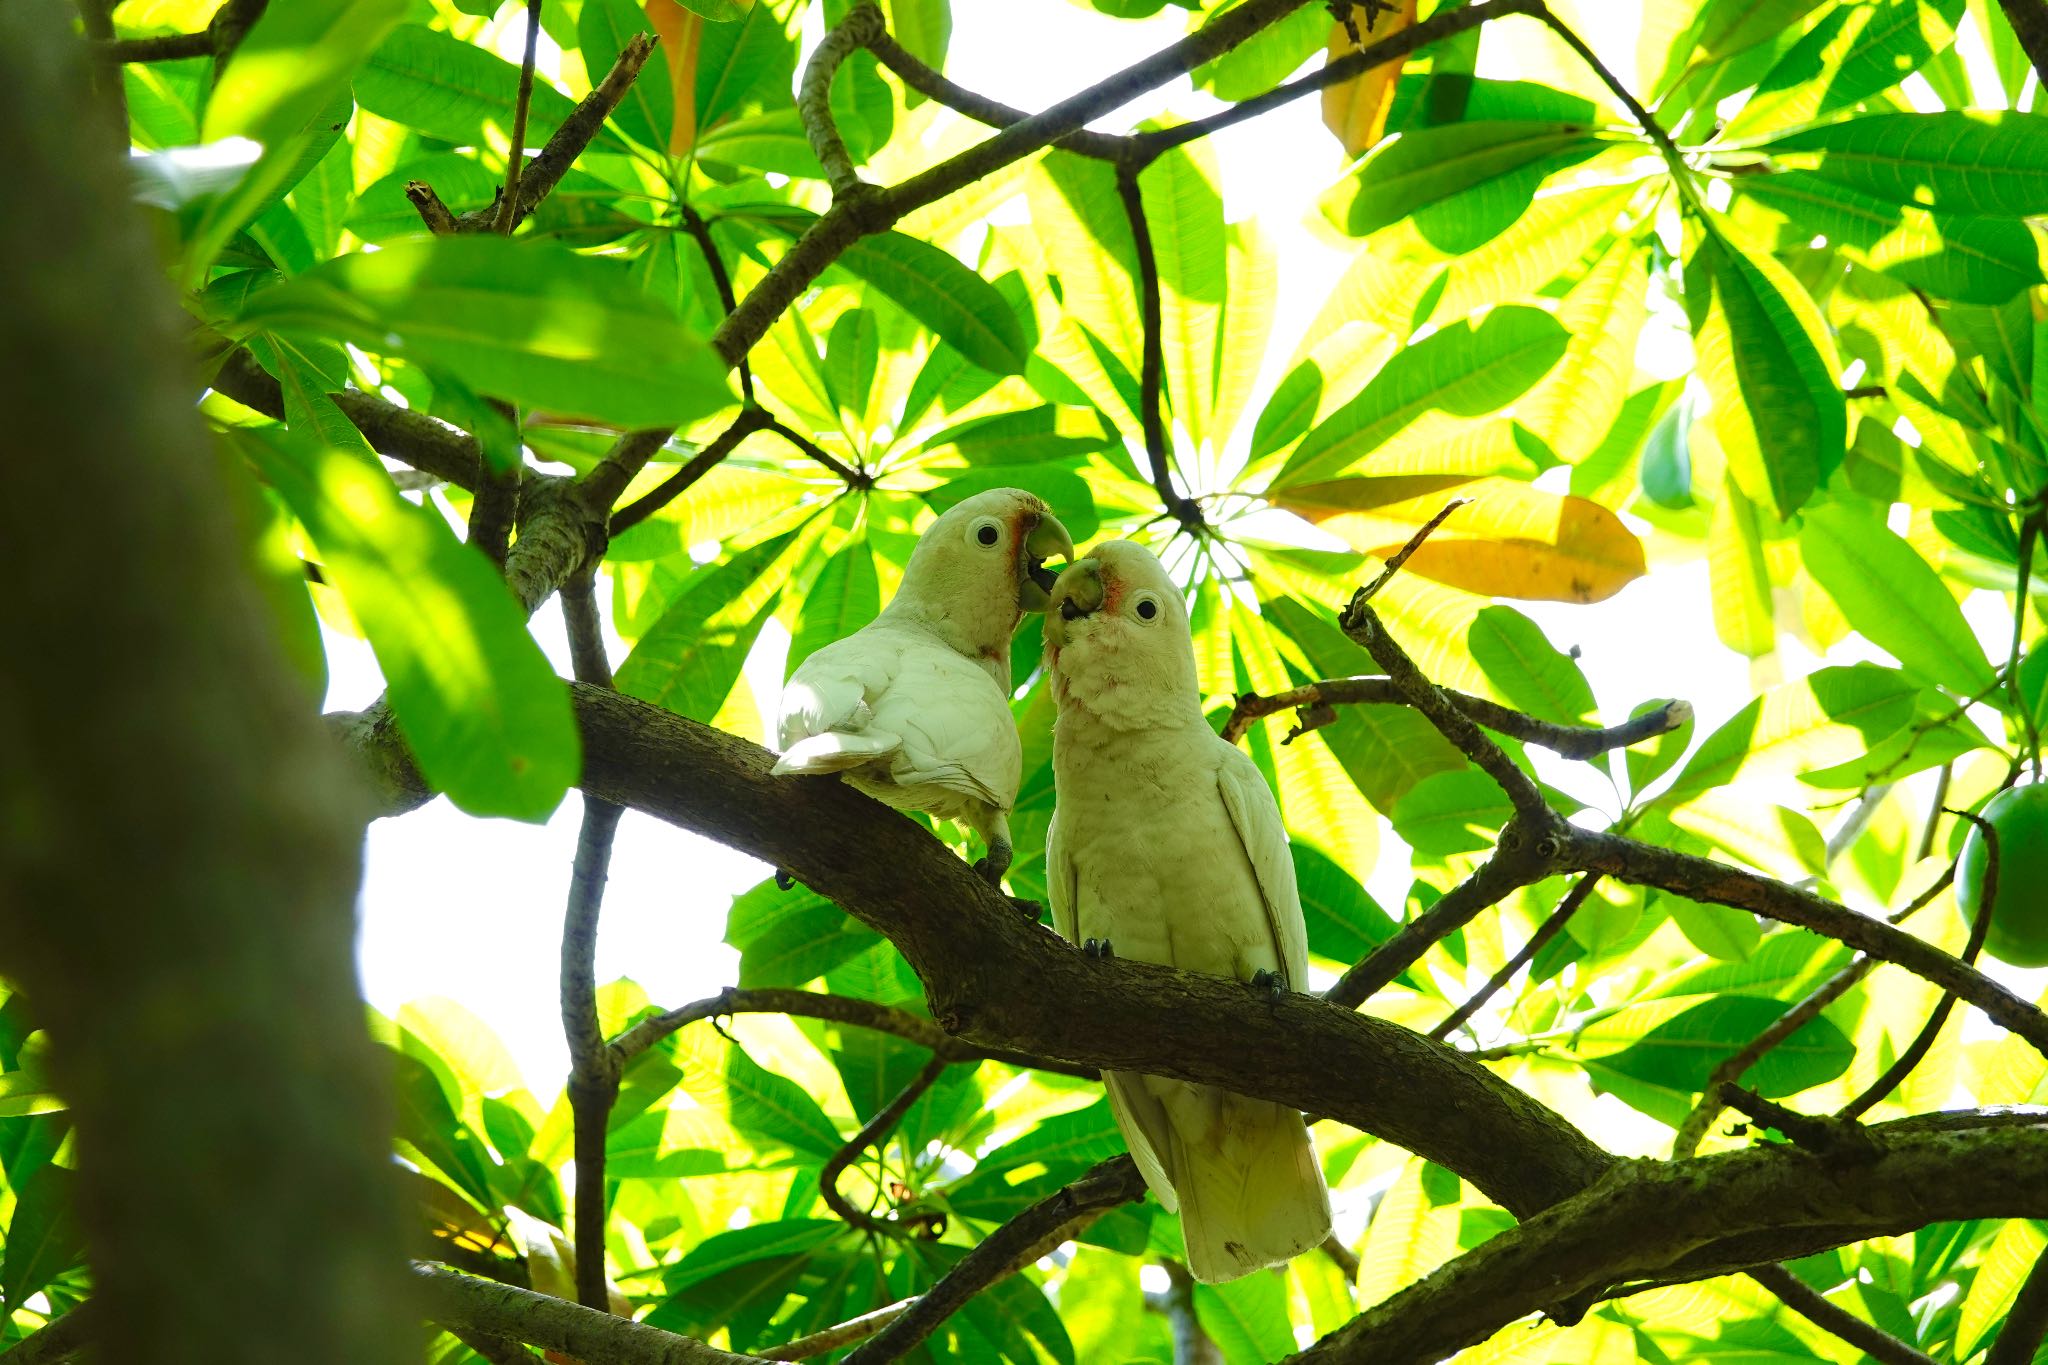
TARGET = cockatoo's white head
(980,567)
(1116,640)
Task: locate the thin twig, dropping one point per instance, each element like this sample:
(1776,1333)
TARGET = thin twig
(1152,379)
(166,47)
(852,478)
(1917,1050)
(515,161)
(1674,159)
(1816,1308)
(1546,931)
(497,1350)
(1009,1248)
(1401,556)
(840,1336)
(2026,1323)
(556,1325)
(721,280)
(934,85)
(703,462)
(2030,536)
(1497,879)
(97,18)
(854,31)
(1694,1129)
(1570,741)
(838,1009)
(873,1132)
(1830,1136)
(1192,1344)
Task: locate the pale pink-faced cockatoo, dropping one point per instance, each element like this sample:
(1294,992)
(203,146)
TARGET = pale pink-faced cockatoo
(914,707)
(1167,844)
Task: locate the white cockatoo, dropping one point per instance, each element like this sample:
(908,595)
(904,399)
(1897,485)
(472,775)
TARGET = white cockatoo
(914,707)
(1167,844)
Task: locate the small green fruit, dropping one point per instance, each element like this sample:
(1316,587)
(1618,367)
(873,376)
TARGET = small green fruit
(2019,912)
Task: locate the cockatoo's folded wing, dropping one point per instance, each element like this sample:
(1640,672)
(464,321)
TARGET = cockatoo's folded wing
(1257,819)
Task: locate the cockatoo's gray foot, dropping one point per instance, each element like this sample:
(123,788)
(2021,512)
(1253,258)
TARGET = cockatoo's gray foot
(1028,908)
(1267,982)
(996,863)
(1097,948)
(783,880)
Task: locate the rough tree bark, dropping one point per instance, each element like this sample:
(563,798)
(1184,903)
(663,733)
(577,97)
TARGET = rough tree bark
(178,843)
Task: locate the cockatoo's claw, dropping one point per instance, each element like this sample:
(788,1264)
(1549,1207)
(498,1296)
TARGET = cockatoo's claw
(1097,948)
(783,880)
(1027,907)
(1267,982)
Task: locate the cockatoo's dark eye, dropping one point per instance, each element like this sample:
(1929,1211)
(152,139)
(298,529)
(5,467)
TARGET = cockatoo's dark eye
(988,535)
(1147,609)
(986,532)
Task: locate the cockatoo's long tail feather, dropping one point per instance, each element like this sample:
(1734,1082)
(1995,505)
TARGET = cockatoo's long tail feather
(1253,1200)
(836,750)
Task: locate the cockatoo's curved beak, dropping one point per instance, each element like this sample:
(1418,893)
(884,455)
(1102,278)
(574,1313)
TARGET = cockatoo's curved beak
(1078,593)
(1042,542)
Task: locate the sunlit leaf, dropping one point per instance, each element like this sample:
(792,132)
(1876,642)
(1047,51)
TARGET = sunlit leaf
(453,90)
(1355,110)
(1892,596)
(1511,541)
(1820,720)
(479,704)
(1956,161)
(526,321)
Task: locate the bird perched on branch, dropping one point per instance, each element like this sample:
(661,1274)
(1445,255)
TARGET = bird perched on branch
(914,707)
(1166,846)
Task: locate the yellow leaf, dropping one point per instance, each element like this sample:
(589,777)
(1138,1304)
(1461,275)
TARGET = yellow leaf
(1356,110)
(679,30)
(1514,540)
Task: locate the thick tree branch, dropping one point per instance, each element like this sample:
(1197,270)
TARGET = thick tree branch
(1571,741)
(426,443)
(58,1339)
(841,1335)
(1668,1215)
(1016,1244)
(165,47)
(838,1009)
(970,948)
(1816,1308)
(459,1301)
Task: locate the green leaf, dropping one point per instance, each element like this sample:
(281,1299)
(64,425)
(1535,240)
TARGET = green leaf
(1247,1318)
(1530,673)
(723,1251)
(1344,922)
(742,63)
(478,703)
(1764,355)
(454,91)
(2003,1268)
(1604,313)
(292,61)
(930,285)
(1460,370)
(1185,210)
(791,938)
(1958,256)
(1652,758)
(1464,183)
(1893,597)
(1723,933)
(43,1239)
(1682,1052)
(689,659)
(846,596)
(759,1102)
(646,112)
(1827,718)
(530,322)
(1958,161)
(1454,812)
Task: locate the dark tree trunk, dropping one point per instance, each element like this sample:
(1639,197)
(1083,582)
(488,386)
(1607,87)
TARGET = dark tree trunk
(179,845)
